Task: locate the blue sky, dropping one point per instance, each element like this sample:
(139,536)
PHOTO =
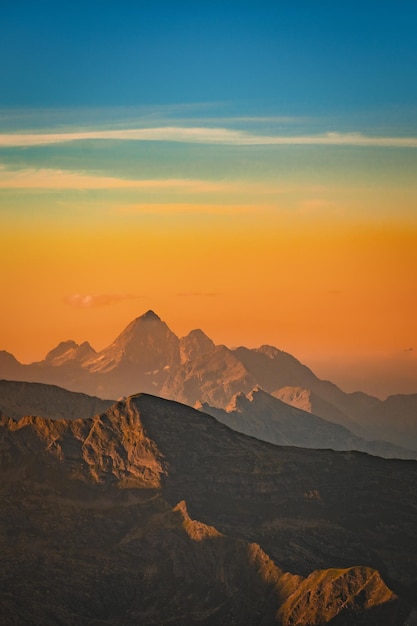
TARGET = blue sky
(304,58)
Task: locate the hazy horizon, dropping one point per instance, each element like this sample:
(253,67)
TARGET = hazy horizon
(243,168)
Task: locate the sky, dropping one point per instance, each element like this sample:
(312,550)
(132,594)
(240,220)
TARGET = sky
(248,168)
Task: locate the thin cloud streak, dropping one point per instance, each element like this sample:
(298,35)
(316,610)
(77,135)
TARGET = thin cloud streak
(215,136)
(51,179)
(61,179)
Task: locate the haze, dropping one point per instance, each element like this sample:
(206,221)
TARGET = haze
(247,169)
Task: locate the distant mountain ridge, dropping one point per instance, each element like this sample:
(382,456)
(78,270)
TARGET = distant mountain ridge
(147,356)
(20,399)
(265,417)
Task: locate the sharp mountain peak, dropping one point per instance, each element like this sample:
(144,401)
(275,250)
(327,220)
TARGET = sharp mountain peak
(149,316)
(61,348)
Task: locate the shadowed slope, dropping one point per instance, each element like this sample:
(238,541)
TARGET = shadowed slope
(154,512)
(255,487)
(18,399)
(265,417)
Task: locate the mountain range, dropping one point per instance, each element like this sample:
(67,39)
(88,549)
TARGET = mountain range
(148,357)
(265,417)
(152,512)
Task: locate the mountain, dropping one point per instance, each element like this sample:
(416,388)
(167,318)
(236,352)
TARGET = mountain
(396,419)
(146,344)
(263,416)
(68,351)
(393,419)
(19,399)
(307,400)
(257,414)
(154,513)
(212,377)
(9,364)
(141,356)
(194,345)
(149,357)
(276,369)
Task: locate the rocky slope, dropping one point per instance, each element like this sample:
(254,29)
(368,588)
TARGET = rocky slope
(393,419)
(153,513)
(265,417)
(18,399)
(396,419)
(148,356)
(70,351)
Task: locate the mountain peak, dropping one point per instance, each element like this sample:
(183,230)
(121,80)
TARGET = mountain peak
(150,316)
(195,344)
(69,351)
(145,348)
(61,349)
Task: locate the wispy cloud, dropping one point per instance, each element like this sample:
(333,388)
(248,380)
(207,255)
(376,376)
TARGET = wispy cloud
(44,178)
(201,135)
(89,301)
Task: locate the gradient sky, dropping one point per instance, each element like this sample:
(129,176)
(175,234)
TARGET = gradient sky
(246,167)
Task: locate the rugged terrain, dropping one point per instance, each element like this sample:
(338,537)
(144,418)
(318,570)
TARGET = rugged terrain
(265,417)
(257,414)
(19,399)
(147,356)
(156,513)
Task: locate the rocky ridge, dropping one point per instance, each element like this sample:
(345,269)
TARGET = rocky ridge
(19,399)
(265,417)
(153,511)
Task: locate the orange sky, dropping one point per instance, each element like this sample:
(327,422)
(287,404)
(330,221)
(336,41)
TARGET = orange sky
(309,245)
(319,286)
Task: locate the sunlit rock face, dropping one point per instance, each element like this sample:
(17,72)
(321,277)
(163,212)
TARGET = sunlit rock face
(153,512)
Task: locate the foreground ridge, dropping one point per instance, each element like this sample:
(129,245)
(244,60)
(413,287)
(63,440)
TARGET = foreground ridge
(160,512)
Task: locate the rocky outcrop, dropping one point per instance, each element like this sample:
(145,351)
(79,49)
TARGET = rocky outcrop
(154,512)
(356,595)
(103,449)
